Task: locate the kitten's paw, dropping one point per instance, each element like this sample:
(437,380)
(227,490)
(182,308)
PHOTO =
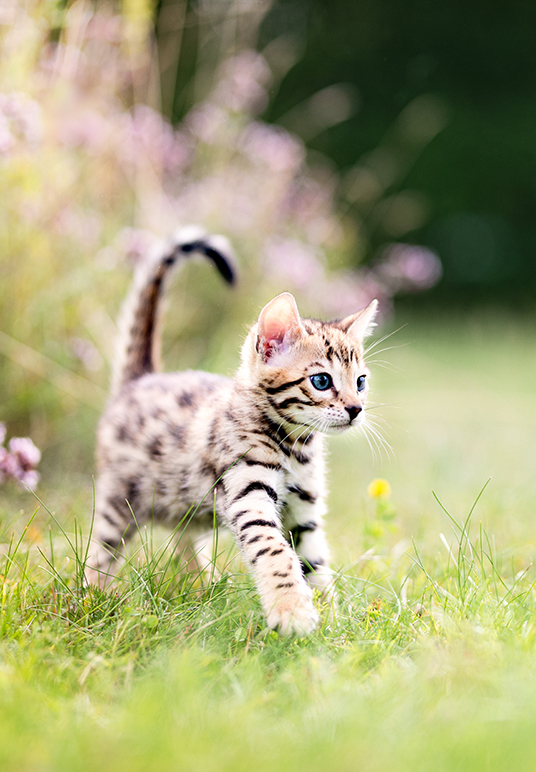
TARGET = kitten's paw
(294,613)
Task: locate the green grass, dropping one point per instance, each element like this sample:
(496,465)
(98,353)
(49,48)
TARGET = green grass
(428,662)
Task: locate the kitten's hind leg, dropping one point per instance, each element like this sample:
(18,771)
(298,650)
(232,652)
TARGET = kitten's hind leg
(104,560)
(196,555)
(113,525)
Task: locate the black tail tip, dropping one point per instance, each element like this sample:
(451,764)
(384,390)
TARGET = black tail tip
(192,238)
(222,263)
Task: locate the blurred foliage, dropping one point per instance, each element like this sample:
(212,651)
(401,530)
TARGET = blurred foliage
(469,192)
(476,176)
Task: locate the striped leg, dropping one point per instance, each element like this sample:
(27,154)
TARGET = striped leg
(304,520)
(112,526)
(196,552)
(252,514)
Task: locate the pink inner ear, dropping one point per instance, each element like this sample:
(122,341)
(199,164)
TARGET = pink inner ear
(273,336)
(274,330)
(279,324)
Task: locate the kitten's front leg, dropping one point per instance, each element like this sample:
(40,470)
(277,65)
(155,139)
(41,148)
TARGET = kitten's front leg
(304,521)
(307,536)
(252,514)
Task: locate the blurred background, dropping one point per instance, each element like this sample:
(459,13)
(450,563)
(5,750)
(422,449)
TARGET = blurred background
(349,150)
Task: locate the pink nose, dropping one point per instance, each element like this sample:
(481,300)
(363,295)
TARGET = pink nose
(353,411)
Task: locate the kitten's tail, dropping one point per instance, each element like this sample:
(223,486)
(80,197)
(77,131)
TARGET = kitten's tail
(137,351)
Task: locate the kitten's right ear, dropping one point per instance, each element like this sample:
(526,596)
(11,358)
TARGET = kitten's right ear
(279,325)
(360,325)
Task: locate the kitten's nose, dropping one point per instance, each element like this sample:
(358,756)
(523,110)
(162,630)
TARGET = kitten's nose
(353,411)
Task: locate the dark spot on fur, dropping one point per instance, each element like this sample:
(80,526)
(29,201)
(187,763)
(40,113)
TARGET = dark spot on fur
(239,514)
(179,434)
(293,401)
(186,399)
(259,553)
(124,434)
(283,386)
(154,448)
(208,469)
(119,505)
(296,532)
(308,566)
(251,523)
(265,464)
(230,416)
(109,519)
(257,486)
(302,494)
(111,543)
(133,488)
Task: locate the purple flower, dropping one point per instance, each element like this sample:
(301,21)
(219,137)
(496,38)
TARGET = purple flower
(87,129)
(27,454)
(7,140)
(242,87)
(30,479)
(207,121)
(20,119)
(9,465)
(19,462)
(347,292)
(147,132)
(272,146)
(294,262)
(409,267)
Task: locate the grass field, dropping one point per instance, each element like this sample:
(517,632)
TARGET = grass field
(428,663)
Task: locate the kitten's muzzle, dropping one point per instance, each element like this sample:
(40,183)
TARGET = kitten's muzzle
(353,411)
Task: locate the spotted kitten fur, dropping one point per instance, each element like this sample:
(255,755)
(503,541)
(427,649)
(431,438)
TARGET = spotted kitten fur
(167,438)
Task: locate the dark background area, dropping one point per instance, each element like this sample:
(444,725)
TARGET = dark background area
(477,175)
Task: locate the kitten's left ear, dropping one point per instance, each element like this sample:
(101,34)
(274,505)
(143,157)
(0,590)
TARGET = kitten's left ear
(361,324)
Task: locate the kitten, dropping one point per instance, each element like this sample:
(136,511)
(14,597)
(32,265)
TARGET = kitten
(167,438)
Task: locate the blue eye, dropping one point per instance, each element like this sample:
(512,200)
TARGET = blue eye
(361,383)
(321,381)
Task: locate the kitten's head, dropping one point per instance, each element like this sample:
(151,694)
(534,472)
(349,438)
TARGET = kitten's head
(311,373)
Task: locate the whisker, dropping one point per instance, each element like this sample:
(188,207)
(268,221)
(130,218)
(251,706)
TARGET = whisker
(369,443)
(386,446)
(376,405)
(383,363)
(381,340)
(390,348)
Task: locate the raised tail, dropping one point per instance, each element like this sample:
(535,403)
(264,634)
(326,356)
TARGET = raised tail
(137,351)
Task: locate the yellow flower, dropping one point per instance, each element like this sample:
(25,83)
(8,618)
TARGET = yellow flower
(379,489)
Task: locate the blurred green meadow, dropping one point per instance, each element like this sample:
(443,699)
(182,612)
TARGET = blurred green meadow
(426,660)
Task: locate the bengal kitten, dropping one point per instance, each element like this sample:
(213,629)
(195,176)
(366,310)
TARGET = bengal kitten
(166,439)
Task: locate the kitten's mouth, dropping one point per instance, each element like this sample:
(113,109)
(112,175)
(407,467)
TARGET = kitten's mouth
(353,423)
(339,428)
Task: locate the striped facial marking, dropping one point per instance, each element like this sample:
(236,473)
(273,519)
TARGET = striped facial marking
(323,386)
